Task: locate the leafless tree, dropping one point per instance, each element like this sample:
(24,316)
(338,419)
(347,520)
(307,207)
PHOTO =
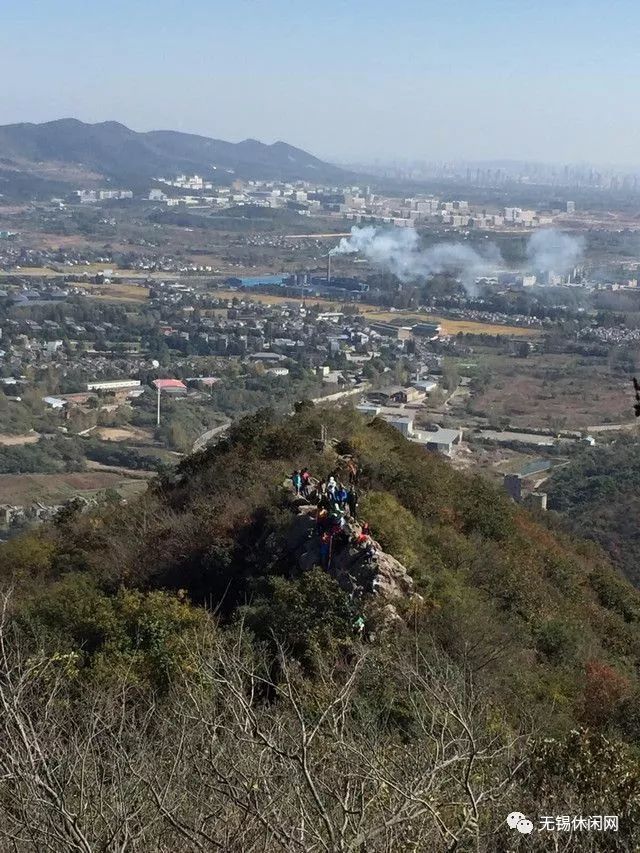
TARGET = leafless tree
(238,759)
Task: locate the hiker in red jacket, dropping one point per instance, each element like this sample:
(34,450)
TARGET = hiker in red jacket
(365,542)
(366,532)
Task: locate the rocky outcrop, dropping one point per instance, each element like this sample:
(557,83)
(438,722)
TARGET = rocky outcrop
(359,565)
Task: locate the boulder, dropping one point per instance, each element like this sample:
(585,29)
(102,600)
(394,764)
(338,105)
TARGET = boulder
(361,568)
(309,556)
(391,579)
(391,618)
(302,528)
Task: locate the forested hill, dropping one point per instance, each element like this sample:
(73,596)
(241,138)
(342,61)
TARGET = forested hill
(109,148)
(173,676)
(598,494)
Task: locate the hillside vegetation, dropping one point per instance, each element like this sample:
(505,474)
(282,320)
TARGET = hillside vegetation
(172,680)
(598,495)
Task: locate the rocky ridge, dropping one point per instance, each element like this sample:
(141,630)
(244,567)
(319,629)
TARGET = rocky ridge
(360,566)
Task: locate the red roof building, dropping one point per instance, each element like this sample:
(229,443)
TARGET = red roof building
(174,385)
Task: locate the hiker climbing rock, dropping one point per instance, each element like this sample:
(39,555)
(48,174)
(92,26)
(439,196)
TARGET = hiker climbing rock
(352,503)
(341,496)
(332,487)
(325,550)
(322,519)
(327,534)
(365,542)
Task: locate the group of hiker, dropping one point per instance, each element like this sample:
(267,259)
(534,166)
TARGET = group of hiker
(302,482)
(334,502)
(331,494)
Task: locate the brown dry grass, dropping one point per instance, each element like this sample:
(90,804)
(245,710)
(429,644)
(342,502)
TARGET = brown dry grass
(549,390)
(125,434)
(450,327)
(24,489)
(18,440)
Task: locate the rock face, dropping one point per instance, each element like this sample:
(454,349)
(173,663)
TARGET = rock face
(361,567)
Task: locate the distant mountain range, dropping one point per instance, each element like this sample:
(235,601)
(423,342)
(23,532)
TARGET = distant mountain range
(63,149)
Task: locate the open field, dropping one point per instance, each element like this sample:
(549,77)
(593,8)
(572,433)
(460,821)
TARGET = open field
(268,298)
(129,473)
(30,272)
(470,327)
(131,434)
(86,269)
(18,440)
(24,489)
(553,391)
(117,292)
(451,327)
(105,297)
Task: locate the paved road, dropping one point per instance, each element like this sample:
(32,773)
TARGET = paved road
(524,437)
(609,427)
(341,395)
(202,440)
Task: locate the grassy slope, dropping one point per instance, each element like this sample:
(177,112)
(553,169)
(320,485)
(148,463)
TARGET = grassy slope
(598,494)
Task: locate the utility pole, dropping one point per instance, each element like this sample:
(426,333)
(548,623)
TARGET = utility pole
(158,418)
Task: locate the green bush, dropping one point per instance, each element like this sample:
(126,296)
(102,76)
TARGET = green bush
(308,616)
(134,634)
(394,526)
(557,640)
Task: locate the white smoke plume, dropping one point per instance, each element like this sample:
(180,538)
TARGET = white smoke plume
(398,251)
(549,250)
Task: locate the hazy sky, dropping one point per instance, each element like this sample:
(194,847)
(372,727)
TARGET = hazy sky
(550,80)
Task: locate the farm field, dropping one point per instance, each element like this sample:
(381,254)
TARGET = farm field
(85,269)
(268,298)
(131,473)
(24,489)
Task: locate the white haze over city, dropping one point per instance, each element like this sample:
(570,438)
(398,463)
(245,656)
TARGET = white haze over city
(398,251)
